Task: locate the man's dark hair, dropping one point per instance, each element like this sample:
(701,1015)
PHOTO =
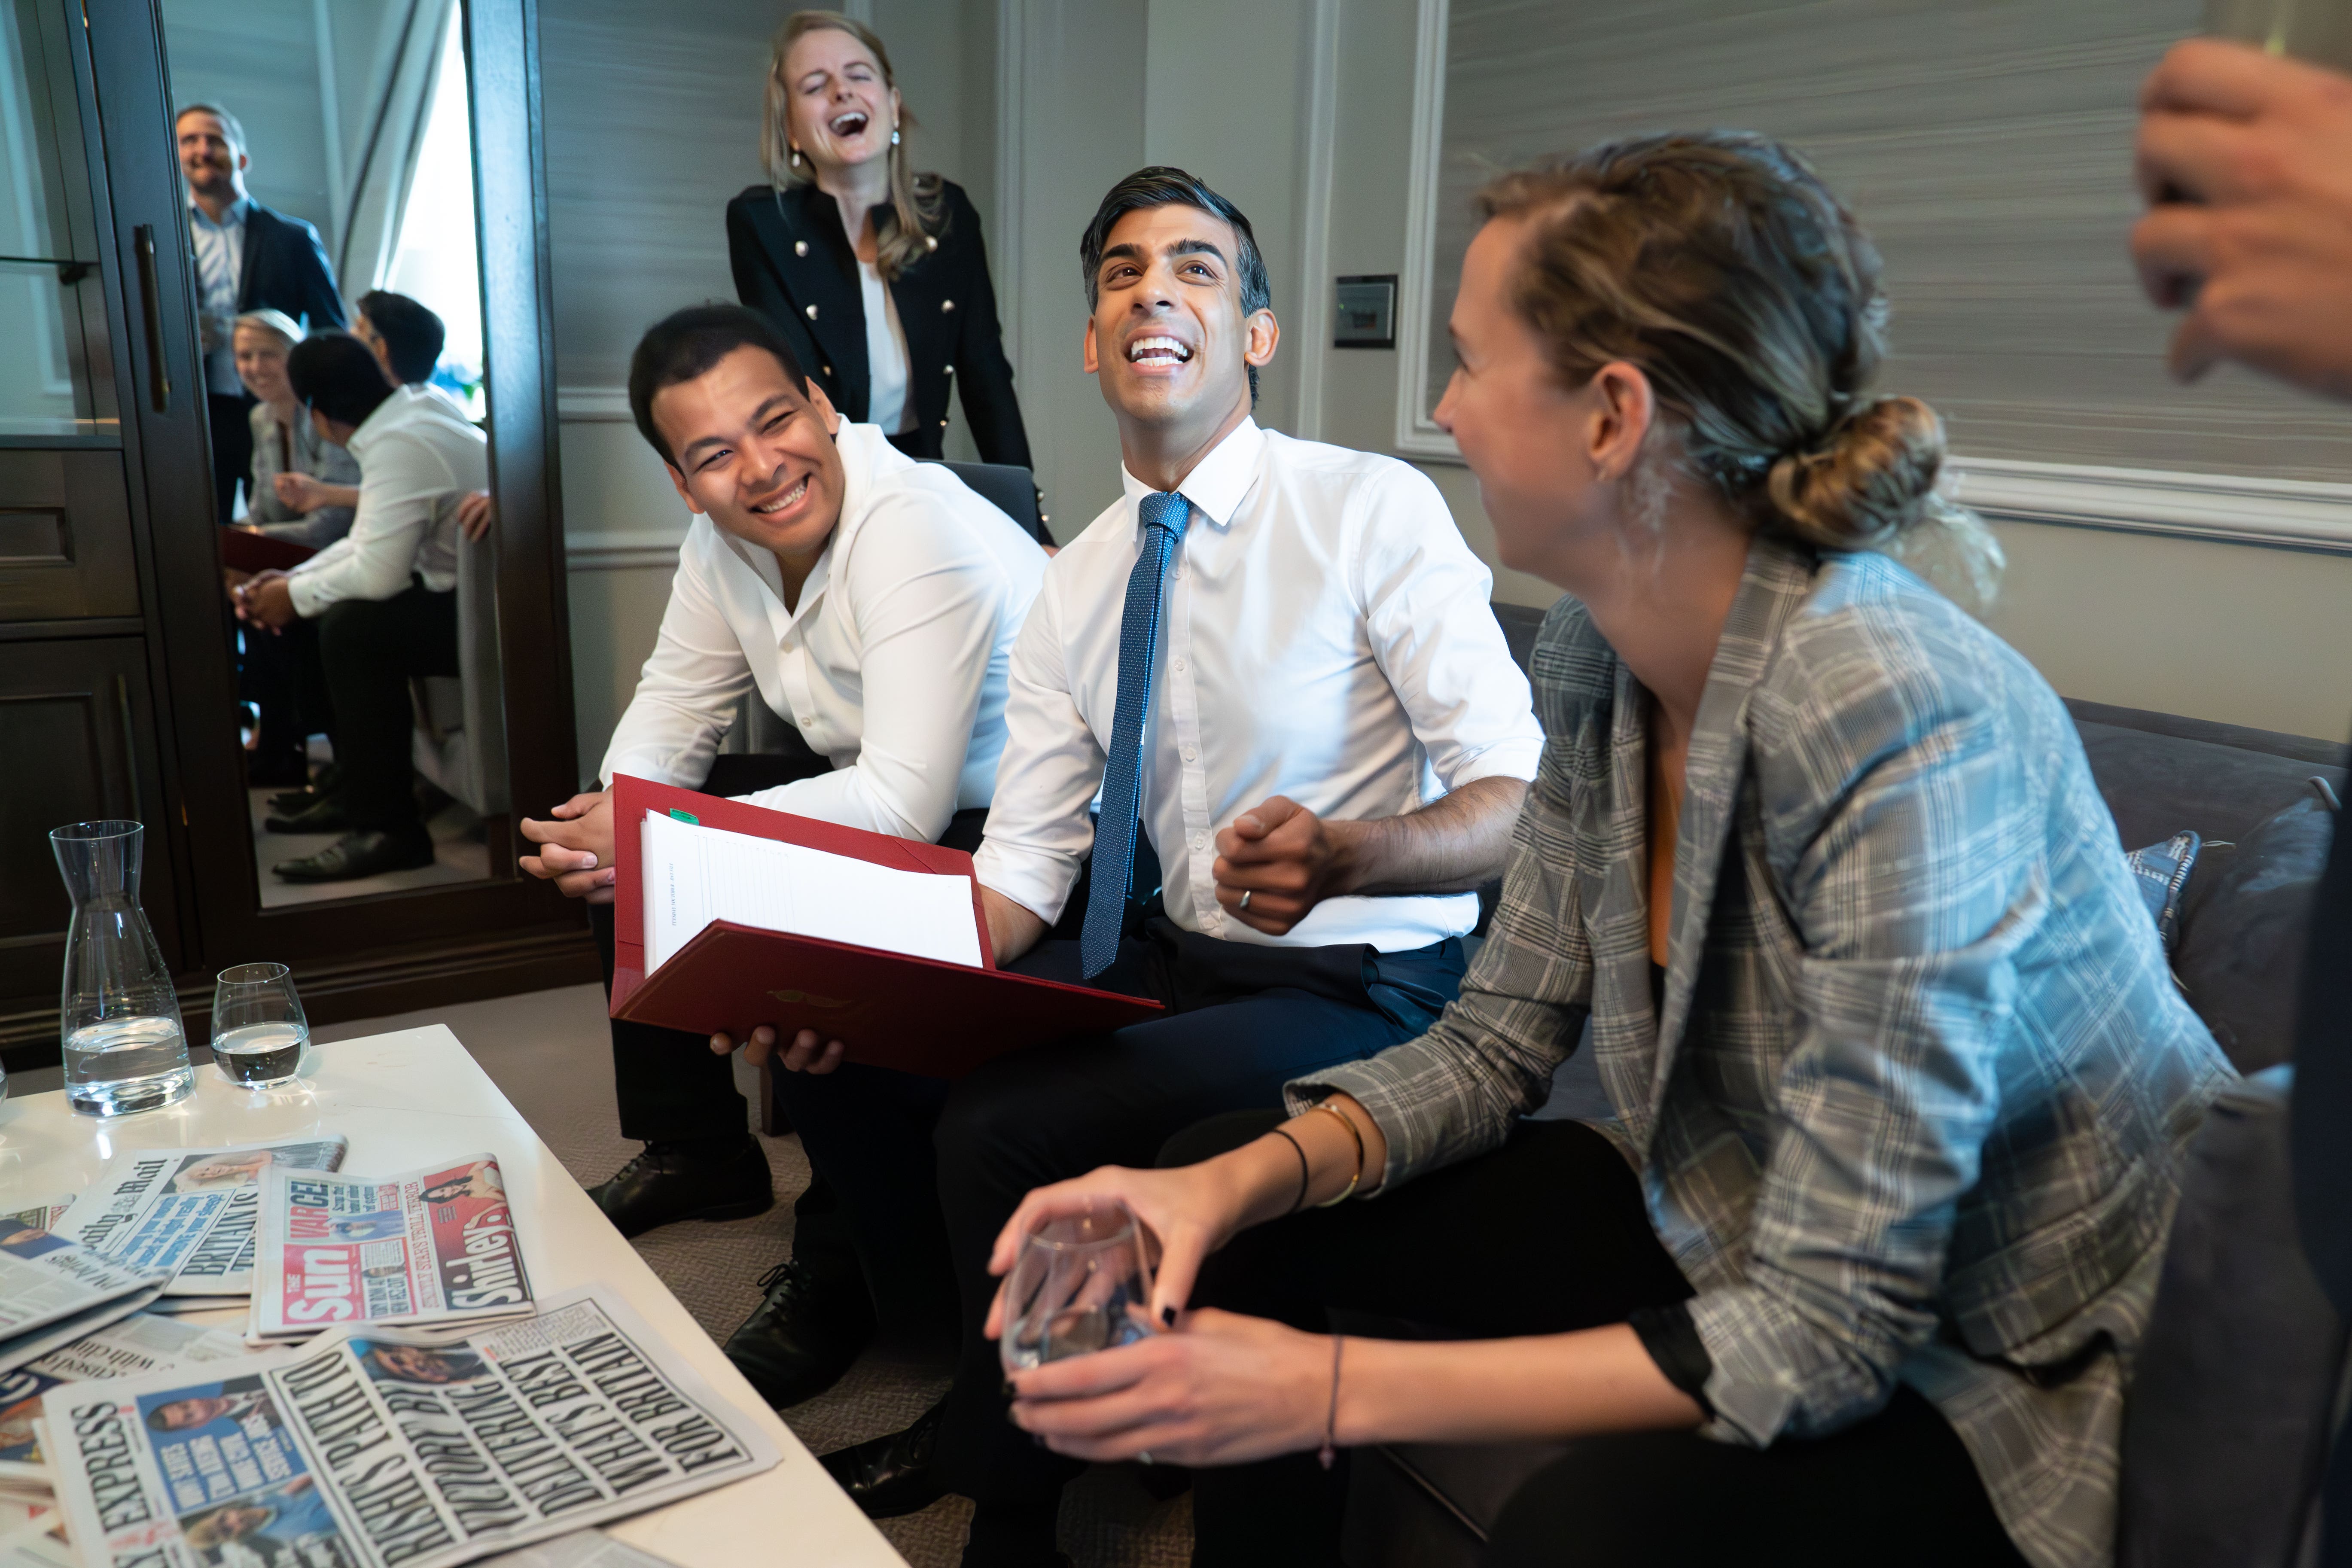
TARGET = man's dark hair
(412,334)
(686,343)
(335,373)
(1161,186)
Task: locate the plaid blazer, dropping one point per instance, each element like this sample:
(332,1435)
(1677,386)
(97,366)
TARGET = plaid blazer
(1917,1105)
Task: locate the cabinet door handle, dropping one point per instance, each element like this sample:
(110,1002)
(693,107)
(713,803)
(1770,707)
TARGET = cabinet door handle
(151,300)
(130,746)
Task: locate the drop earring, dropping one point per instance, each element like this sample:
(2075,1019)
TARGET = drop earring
(893,136)
(796,157)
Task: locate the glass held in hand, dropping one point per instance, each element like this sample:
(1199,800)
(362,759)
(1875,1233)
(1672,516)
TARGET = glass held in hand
(118,1011)
(1079,1284)
(2319,31)
(259,1029)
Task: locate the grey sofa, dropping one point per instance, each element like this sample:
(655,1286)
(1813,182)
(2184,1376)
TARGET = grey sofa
(2243,1377)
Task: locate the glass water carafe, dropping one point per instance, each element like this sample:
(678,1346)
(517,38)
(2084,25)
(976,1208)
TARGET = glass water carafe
(118,1013)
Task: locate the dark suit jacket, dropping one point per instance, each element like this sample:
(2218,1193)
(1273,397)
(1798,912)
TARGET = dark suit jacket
(795,264)
(286,269)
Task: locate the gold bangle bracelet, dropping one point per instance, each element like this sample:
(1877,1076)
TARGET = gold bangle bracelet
(1358,1179)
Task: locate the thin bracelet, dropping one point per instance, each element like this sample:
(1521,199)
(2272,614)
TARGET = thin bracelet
(1358,1179)
(1331,1449)
(1305,1171)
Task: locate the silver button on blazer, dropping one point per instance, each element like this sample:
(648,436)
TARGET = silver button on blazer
(1915,1108)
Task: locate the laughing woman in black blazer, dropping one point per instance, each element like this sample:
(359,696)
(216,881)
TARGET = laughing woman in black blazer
(843,233)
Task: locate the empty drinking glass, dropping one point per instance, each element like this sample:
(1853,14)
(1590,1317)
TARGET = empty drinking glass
(259,1029)
(1080,1284)
(118,1011)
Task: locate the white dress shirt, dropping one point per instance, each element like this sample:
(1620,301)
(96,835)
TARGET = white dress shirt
(894,663)
(220,273)
(886,354)
(1326,637)
(417,454)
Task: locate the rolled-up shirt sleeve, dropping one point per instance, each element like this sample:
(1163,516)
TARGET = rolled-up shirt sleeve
(1456,1091)
(1428,607)
(1037,833)
(687,692)
(403,490)
(928,600)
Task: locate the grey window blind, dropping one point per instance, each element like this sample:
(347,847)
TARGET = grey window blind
(1986,144)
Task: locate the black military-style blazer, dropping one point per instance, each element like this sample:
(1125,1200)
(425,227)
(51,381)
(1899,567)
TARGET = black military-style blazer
(286,269)
(793,263)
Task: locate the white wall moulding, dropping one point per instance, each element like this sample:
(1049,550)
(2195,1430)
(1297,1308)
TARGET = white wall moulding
(593,404)
(620,552)
(1416,437)
(2297,514)
(1319,133)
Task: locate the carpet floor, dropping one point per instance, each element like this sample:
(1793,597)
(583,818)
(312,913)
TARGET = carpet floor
(548,1051)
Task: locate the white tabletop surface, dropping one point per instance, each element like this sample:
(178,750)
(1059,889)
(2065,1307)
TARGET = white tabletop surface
(404,1099)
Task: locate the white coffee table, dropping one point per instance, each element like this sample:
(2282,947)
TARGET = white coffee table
(409,1098)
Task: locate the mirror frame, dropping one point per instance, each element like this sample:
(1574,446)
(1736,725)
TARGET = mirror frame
(382,952)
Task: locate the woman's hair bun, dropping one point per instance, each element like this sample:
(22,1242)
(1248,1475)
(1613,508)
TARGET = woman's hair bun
(1871,480)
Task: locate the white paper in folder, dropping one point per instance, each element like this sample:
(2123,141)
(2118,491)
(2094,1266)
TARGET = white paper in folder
(693,875)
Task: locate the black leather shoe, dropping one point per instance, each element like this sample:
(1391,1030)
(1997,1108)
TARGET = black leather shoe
(886,1477)
(672,1181)
(356,854)
(799,1340)
(324,813)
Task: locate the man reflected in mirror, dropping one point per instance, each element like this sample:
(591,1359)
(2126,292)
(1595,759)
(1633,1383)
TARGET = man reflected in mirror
(382,599)
(247,258)
(404,336)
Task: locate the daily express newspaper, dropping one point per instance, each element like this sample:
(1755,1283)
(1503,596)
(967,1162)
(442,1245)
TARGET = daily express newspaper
(137,1345)
(396,1448)
(426,1246)
(53,1291)
(191,1211)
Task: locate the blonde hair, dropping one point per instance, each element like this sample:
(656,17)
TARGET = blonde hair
(918,211)
(1719,264)
(286,327)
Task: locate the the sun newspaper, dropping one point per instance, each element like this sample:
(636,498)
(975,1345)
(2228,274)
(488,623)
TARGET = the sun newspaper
(396,1448)
(137,1345)
(191,1211)
(53,1291)
(434,1246)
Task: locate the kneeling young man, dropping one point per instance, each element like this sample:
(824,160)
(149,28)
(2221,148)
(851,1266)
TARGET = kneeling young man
(1277,661)
(873,601)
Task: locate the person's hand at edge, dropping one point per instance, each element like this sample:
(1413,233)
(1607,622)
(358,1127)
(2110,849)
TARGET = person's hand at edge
(475,514)
(2246,160)
(264,600)
(575,847)
(1285,858)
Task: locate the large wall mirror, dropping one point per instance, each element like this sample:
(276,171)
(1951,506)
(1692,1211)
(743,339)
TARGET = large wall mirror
(328,154)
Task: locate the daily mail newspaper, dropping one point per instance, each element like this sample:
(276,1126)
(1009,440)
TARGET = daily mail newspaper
(191,1211)
(53,1291)
(436,1245)
(139,1345)
(396,1448)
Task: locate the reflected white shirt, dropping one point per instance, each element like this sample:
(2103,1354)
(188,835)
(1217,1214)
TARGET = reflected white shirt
(417,457)
(220,273)
(886,354)
(1326,637)
(894,665)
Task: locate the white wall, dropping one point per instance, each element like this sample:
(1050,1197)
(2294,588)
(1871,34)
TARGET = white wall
(646,142)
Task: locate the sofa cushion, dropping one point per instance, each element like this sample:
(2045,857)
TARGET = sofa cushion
(2156,784)
(2244,920)
(2227,1423)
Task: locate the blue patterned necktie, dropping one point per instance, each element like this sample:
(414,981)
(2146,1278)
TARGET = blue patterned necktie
(1165,517)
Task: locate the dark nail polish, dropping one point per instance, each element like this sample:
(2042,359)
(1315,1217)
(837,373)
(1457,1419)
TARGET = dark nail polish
(1038,1439)
(1010,1392)
(1168,1315)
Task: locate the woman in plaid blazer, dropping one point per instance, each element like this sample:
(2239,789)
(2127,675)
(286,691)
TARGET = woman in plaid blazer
(1900,1081)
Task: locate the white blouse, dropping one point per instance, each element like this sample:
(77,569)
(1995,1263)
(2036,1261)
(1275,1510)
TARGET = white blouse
(885,355)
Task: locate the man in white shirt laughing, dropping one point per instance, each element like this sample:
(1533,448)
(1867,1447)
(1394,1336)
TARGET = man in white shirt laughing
(873,601)
(1277,662)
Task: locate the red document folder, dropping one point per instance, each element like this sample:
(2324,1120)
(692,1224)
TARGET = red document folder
(914,1014)
(243,550)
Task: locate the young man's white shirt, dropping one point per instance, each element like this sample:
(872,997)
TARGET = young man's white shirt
(1327,636)
(894,665)
(417,454)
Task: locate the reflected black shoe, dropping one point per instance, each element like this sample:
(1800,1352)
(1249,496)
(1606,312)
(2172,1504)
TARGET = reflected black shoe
(322,814)
(808,1331)
(356,854)
(886,1477)
(711,1179)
